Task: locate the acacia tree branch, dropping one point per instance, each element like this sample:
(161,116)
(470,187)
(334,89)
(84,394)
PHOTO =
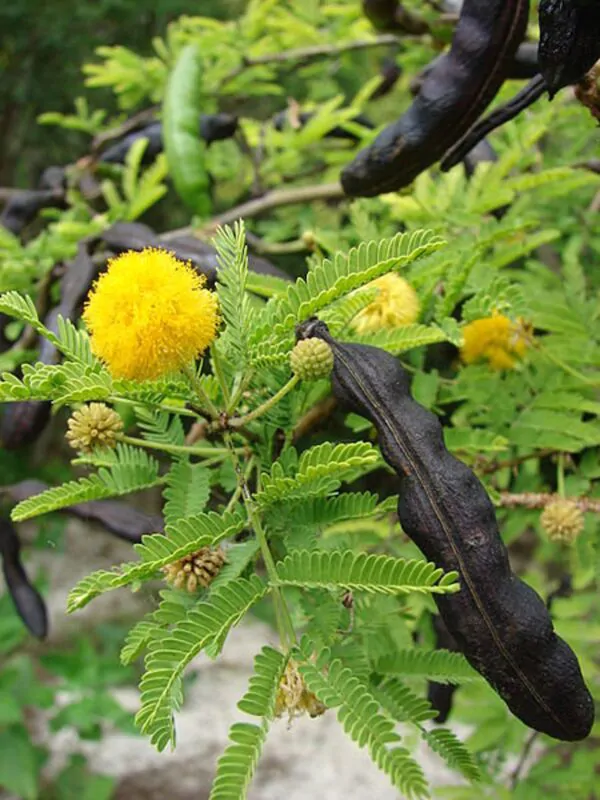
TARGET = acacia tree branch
(306,54)
(269,201)
(495,466)
(541,500)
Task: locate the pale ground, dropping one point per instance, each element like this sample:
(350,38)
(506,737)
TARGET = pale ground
(310,759)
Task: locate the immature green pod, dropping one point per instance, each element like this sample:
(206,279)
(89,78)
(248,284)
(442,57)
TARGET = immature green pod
(184,148)
(500,624)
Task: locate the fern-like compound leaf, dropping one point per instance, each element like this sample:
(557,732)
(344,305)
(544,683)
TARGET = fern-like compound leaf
(320,470)
(363,572)
(156,551)
(236,766)
(259,700)
(359,714)
(187,491)
(447,745)
(442,666)
(232,257)
(169,656)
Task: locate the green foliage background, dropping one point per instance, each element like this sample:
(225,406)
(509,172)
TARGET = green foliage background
(531,429)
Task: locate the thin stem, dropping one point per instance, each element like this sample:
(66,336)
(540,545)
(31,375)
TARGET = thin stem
(286,631)
(541,500)
(514,462)
(182,411)
(273,199)
(178,449)
(560,475)
(566,367)
(516,775)
(282,614)
(238,391)
(304,54)
(239,422)
(200,392)
(219,374)
(238,490)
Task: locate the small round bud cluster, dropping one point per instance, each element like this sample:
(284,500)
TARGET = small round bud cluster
(294,698)
(93,425)
(562,520)
(311,359)
(196,569)
(309,240)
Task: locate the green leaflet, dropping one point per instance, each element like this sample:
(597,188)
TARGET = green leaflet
(156,551)
(359,714)
(362,572)
(237,764)
(187,491)
(132,470)
(441,666)
(184,148)
(167,658)
(447,745)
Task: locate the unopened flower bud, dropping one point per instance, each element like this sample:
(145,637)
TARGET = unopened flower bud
(311,359)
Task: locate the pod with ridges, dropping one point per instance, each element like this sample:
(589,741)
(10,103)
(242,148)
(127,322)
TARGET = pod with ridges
(500,624)
(453,95)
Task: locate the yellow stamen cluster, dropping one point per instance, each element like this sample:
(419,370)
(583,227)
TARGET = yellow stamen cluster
(149,315)
(562,520)
(93,425)
(396,304)
(196,569)
(496,339)
(294,698)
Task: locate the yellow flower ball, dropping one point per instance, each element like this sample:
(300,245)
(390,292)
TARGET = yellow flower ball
(149,315)
(396,304)
(496,339)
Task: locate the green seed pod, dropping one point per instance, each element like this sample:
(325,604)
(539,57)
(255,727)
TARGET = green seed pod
(311,359)
(499,623)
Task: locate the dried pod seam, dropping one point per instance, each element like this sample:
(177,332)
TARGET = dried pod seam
(500,624)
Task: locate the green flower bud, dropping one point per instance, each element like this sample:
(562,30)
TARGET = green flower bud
(311,359)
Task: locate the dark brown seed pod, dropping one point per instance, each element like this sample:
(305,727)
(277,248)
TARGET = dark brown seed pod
(500,624)
(28,601)
(453,95)
(569,40)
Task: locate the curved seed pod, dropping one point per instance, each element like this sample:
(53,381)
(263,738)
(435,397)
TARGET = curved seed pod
(390,15)
(500,624)
(23,207)
(523,66)
(212,128)
(184,148)
(23,422)
(499,116)
(124,236)
(28,601)
(569,40)
(453,95)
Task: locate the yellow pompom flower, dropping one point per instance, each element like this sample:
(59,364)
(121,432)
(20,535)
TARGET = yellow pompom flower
(149,315)
(497,339)
(396,304)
